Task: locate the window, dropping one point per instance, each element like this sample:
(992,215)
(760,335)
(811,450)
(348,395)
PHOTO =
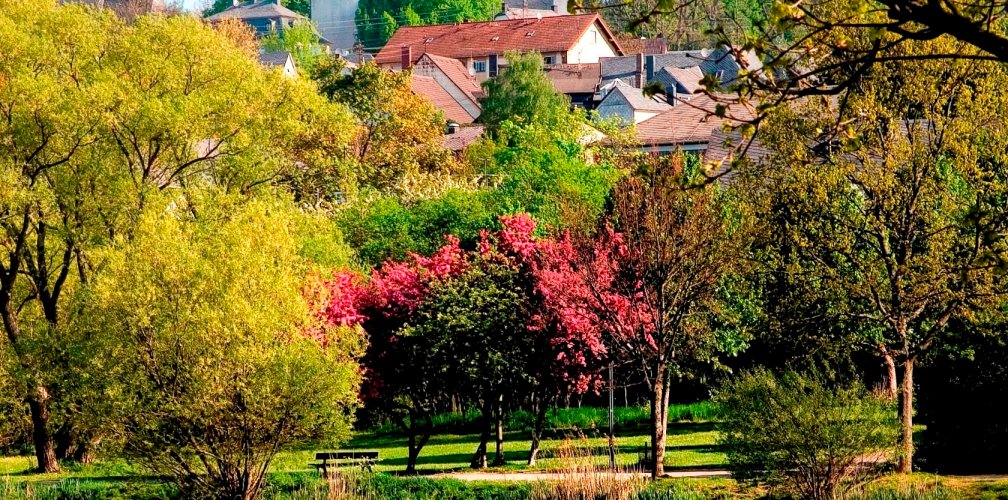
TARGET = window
(479,66)
(549,60)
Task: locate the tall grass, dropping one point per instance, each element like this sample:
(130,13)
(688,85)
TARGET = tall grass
(582,477)
(905,490)
(77,489)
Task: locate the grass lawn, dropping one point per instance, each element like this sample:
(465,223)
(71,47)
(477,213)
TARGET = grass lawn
(689,446)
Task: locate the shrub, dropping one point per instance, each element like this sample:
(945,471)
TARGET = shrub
(799,431)
(222,359)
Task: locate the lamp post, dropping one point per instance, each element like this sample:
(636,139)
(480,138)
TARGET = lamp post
(612,439)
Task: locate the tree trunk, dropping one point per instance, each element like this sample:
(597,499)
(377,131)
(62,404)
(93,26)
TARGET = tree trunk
(891,385)
(906,418)
(85,452)
(413,452)
(537,428)
(499,423)
(418,431)
(659,412)
(45,448)
(479,460)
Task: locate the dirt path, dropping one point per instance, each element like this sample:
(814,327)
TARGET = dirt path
(556,476)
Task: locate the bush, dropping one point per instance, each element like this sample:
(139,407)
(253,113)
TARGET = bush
(222,359)
(798,431)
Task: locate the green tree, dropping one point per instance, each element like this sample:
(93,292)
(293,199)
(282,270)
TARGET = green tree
(802,431)
(523,95)
(301,39)
(377,20)
(203,311)
(480,338)
(902,218)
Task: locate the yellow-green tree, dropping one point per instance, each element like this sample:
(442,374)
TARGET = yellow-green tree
(97,117)
(202,311)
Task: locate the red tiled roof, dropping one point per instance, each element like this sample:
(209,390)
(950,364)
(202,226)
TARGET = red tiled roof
(633,45)
(464,40)
(464,137)
(439,97)
(459,75)
(574,78)
(688,122)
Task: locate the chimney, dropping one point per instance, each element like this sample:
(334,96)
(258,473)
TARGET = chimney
(640,71)
(664,43)
(406,58)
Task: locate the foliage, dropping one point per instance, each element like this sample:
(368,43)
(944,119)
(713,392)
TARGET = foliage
(377,20)
(221,367)
(95,131)
(523,95)
(894,228)
(649,280)
(302,40)
(400,133)
(798,431)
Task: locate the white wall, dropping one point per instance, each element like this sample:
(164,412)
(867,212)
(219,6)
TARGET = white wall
(590,47)
(335,19)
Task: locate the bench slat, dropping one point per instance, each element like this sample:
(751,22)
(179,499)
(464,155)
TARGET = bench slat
(347,455)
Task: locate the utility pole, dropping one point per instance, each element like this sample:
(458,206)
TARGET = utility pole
(612,439)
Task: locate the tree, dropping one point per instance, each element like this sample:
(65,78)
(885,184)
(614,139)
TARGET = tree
(911,204)
(400,132)
(222,365)
(377,20)
(801,431)
(481,340)
(403,377)
(523,95)
(91,134)
(653,274)
(301,39)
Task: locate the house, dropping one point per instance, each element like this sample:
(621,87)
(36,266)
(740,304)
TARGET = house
(428,87)
(629,104)
(689,125)
(455,81)
(634,46)
(580,82)
(680,82)
(264,16)
(531,9)
(458,139)
(481,46)
(281,60)
(728,147)
(640,69)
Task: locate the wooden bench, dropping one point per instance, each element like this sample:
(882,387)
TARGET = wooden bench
(325,459)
